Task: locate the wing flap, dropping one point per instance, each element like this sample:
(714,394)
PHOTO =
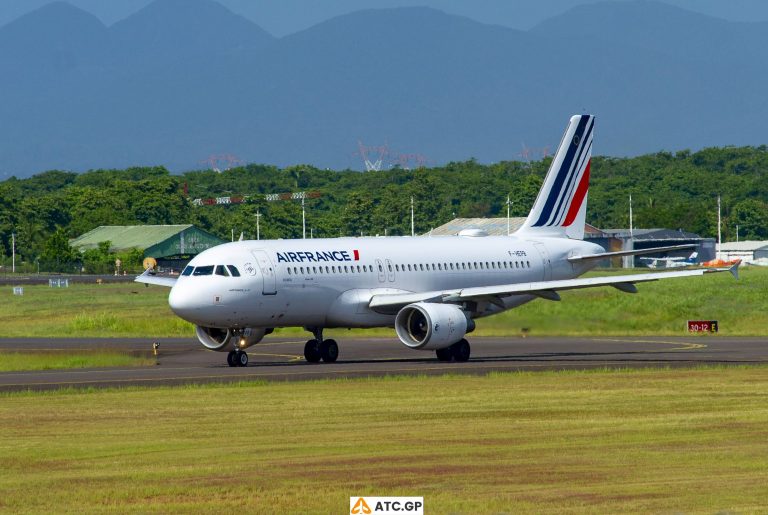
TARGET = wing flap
(544,289)
(633,252)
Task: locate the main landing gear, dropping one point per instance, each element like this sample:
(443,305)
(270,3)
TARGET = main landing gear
(317,349)
(237,358)
(459,351)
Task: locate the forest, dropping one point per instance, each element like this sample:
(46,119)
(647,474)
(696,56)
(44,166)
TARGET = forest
(674,190)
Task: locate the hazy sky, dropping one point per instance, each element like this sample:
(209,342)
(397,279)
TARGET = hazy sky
(282,17)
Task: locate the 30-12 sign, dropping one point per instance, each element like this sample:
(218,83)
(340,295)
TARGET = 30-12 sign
(702,326)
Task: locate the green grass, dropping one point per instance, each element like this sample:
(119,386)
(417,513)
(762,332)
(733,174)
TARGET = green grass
(648,441)
(659,308)
(17,361)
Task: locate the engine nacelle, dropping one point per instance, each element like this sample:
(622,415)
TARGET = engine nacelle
(224,340)
(431,326)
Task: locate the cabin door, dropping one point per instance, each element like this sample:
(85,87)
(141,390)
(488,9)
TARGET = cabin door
(267,272)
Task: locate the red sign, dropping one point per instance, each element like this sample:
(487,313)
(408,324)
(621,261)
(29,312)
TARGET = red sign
(702,326)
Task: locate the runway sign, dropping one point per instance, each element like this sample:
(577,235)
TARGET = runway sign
(702,326)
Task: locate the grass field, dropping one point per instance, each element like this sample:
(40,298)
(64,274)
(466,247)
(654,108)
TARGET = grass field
(16,361)
(646,441)
(659,308)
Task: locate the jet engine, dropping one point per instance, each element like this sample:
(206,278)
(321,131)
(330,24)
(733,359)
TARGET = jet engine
(431,326)
(223,340)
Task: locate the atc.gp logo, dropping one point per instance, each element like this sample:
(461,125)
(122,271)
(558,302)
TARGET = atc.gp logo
(386,505)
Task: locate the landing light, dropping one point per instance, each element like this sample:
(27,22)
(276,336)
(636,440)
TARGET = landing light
(242,342)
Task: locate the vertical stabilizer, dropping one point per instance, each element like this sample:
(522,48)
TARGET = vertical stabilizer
(561,206)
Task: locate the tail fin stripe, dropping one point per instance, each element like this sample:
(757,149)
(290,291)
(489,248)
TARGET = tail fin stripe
(578,198)
(575,182)
(574,178)
(562,174)
(567,173)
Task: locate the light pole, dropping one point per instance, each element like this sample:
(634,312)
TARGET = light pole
(13,251)
(509,204)
(413,232)
(258,227)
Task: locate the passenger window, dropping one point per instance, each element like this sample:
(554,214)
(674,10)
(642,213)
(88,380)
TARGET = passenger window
(289,270)
(203,270)
(188,270)
(421,266)
(381,269)
(220,270)
(302,270)
(529,264)
(327,269)
(233,270)
(346,270)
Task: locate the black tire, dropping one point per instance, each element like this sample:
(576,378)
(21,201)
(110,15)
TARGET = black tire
(445,354)
(231,359)
(461,350)
(242,359)
(312,351)
(329,350)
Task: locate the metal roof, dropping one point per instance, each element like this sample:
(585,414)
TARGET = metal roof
(742,246)
(653,234)
(157,240)
(492,226)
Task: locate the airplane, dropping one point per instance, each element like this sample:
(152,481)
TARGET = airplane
(430,289)
(671,262)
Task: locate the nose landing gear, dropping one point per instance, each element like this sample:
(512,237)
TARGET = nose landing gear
(237,358)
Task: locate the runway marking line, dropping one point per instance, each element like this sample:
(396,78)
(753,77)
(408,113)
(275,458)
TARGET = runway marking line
(685,345)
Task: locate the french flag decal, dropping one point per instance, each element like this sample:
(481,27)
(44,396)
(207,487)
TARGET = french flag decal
(357,255)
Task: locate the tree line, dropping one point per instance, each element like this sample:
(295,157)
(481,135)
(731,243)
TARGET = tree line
(673,190)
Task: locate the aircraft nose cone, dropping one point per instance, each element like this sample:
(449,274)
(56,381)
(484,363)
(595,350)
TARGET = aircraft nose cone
(182,303)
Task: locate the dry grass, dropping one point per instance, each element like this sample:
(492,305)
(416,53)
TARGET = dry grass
(693,441)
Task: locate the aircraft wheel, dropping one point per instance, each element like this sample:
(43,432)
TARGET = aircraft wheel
(445,354)
(461,350)
(312,351)
(242,359)
(329,351)
(231,359)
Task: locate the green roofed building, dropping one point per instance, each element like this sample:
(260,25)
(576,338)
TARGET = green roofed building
(170,245)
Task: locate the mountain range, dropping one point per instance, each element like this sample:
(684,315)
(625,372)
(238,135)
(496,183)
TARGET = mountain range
(182,80)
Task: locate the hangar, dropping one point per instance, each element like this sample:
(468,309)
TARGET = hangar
(753,252)
(171,245)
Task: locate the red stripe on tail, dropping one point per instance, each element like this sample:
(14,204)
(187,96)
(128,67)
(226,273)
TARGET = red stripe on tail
(578,197)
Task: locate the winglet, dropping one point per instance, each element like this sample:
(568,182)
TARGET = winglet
(734,269)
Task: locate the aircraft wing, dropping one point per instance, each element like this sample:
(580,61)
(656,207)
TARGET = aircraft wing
(633,252)
(147,278)
(545,289)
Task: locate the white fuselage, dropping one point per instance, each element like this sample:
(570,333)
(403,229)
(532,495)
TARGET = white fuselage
(329,282)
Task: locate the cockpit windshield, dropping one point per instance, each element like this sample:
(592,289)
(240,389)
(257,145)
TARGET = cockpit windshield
(203,270)
(222,270)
